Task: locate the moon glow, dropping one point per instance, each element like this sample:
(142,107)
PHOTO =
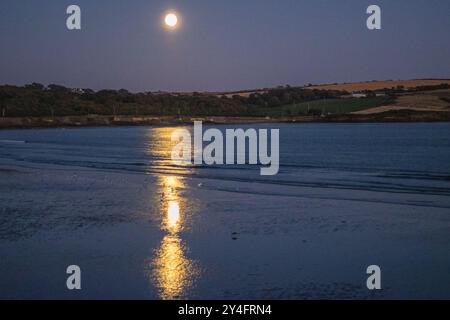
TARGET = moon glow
(171,20)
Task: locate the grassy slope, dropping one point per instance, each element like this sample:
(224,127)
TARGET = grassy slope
(333,106)
(379,85)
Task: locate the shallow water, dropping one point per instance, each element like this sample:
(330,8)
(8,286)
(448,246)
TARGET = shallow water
(111,201)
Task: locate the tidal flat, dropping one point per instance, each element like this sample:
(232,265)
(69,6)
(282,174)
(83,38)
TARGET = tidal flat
(109,200)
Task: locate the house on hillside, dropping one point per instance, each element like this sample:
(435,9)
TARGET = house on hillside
(359,95)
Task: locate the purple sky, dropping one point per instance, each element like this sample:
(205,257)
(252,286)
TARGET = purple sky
(222,45)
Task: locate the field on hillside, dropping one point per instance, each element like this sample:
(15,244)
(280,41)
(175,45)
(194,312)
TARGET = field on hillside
(378,85)
(438,100)
(328,106)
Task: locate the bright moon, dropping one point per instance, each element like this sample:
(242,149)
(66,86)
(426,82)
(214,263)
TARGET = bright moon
(171,20)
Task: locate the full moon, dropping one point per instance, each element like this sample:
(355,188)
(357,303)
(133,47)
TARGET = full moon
(171,20)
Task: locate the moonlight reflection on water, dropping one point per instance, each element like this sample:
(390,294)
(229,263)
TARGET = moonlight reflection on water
(173,272)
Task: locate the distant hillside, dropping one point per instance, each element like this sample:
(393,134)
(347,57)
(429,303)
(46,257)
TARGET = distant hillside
(37,100)
(422,101)
(380,85)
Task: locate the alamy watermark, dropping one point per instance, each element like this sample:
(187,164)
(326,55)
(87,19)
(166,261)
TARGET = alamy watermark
(241,146)
(374,279)
(73,22)
(74,280)
(374,20)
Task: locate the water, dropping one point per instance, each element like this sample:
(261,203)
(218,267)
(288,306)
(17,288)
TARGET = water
(112,201)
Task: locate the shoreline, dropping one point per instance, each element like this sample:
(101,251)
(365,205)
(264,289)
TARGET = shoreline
(113,121)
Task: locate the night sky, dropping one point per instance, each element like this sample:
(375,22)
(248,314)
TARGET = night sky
(221,45)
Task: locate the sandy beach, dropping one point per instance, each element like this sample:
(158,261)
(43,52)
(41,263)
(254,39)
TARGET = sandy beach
(140,228)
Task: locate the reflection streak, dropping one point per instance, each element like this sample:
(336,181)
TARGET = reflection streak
(173,272)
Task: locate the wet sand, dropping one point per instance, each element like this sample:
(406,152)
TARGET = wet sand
(219,244)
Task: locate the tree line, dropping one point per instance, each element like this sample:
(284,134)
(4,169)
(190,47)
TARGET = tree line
(37,100)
